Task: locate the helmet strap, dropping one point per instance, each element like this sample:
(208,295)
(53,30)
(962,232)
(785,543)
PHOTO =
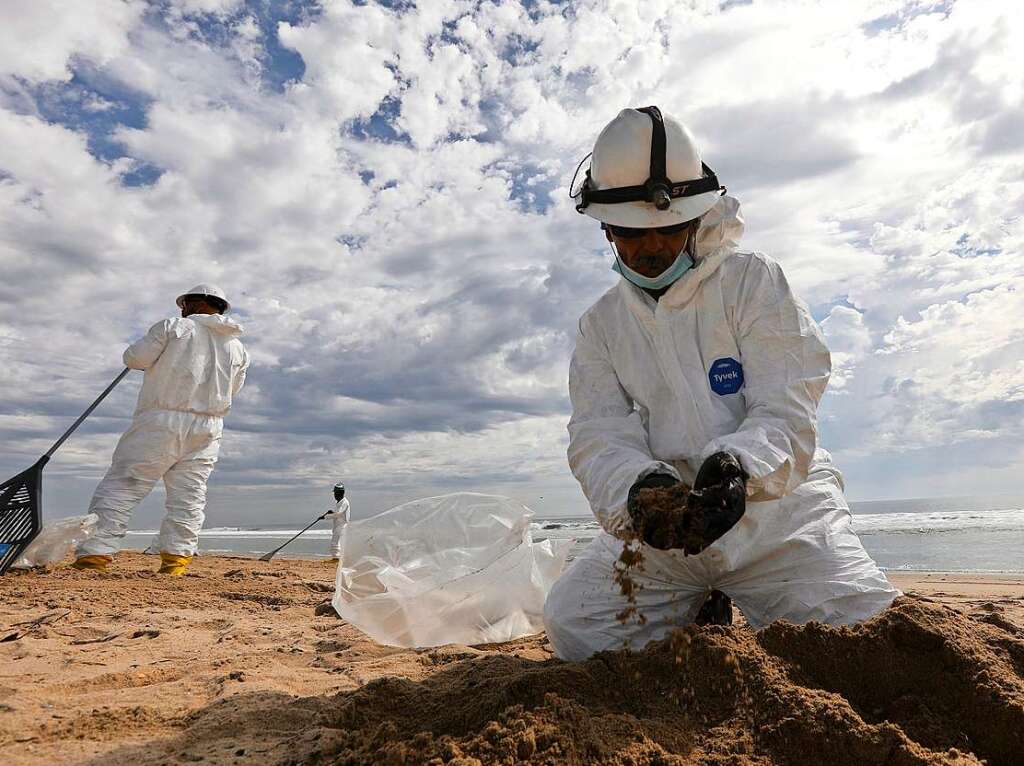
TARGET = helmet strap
(657,185)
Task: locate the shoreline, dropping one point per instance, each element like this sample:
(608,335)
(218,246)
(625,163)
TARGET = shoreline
(909,573)
(238,663)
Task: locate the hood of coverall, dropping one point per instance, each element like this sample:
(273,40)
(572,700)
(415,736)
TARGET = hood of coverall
(218,323)
(717,238)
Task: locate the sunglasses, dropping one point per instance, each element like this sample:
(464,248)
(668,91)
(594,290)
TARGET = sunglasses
(665,231)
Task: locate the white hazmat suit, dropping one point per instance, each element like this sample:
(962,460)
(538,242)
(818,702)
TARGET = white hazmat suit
(194,366)
(339,518)
(727,360)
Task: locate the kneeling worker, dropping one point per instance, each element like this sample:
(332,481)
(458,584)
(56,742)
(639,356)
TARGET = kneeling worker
(194,365)
(699,367)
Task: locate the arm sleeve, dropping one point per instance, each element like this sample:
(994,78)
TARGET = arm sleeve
(608,447)
(239,380)
(341,511)
(143,354)
(786,367)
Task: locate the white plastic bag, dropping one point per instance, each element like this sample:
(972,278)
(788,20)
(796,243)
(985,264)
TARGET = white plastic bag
(460,568)
(56,540)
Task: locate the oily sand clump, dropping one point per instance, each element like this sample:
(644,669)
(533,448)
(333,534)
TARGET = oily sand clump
(663,508)
(662,517)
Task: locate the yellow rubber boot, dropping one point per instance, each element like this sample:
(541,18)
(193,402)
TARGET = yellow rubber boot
(94,562)
(173,564)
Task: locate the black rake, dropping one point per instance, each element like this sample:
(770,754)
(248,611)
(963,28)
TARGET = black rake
(269,556)
(21,507)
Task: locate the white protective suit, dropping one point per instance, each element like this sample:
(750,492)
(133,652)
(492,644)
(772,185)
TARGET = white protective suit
(194,365)
(727,360)
(339,517)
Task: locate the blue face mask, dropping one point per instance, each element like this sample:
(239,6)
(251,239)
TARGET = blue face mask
(682,264)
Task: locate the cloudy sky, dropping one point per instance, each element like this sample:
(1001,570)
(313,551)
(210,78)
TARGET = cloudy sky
(381,189)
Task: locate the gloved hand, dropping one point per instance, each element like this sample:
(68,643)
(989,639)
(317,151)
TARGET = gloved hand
(717,501)
(656,529)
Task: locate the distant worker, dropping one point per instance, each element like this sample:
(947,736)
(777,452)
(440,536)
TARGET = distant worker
(339,516)
(194,366)
(694,384)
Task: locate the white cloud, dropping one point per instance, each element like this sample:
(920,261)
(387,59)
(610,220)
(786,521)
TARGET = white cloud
(848,339)
(219,7)
(38,40)
(349,55)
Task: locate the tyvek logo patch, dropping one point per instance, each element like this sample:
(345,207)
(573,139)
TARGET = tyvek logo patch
(726,376)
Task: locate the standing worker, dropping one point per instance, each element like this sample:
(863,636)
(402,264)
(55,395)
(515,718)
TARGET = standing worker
(194,365)
(339,516)
(698,368)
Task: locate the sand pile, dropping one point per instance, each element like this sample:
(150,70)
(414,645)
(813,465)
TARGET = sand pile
(920,684)
(237,663)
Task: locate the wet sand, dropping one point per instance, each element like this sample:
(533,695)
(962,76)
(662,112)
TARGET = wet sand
(233,665)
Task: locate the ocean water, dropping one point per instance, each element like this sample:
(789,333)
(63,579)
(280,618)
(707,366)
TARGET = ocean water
(941,534)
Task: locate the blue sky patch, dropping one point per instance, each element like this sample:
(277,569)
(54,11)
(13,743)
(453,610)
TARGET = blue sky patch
(401,6)
(280,65)
(143,174)
(519,49)
(529,185)
(965,249)
(96,106)
(891,21)
(380,125)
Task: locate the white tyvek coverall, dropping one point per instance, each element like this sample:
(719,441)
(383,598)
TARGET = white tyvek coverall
(645,400)
(194,365)
(339,517)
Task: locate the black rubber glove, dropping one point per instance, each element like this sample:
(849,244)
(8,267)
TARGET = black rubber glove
(656,531)
(718,500)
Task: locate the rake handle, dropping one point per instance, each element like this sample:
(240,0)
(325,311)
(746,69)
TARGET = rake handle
(269,556)
(84,415)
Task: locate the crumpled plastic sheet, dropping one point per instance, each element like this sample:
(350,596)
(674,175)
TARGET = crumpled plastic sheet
(56,541)
(460,568)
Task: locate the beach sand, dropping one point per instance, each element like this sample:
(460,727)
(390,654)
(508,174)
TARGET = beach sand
(233,664)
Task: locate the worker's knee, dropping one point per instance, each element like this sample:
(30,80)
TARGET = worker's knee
(184,515)
(118,495)
(558,635)
(561,618)
(186,498)
(551,611)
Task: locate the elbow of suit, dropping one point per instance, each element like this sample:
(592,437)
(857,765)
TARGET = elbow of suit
(132,362)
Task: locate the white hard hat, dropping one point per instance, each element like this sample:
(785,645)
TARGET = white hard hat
(645,172)
(207,290)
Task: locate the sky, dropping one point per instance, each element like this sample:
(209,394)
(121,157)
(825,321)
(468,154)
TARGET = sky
(381,189)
